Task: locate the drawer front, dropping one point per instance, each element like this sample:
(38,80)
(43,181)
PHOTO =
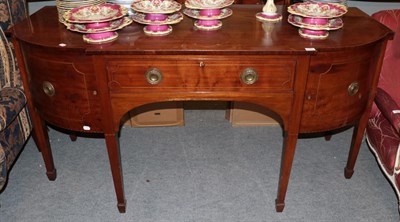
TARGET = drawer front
(201,74)
(64,91)
(337,91)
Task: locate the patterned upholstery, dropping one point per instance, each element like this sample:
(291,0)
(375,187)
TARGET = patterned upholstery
(15,126)
(12,12)
(383,135)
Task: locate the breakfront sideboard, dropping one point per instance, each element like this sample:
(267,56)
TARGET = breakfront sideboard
(311,85)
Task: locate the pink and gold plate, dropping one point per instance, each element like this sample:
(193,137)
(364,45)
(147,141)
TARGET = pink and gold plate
(317,9)
(157,30)
(153,19)
(100,38)
(208,25)
(99,27)
(95,13)
(313,34)
(205,15)
(315,24)
(208,4)
(156,6)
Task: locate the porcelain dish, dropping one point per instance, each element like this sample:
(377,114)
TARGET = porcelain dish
(100,38)
(85,28)
(160,30)
(317,9)
(333,24)
(156,6)
(96,13)
(170,19)
(208,25)
(208,4)
(195,13)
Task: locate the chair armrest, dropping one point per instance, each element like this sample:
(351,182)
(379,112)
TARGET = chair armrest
(12,101)
(388,108)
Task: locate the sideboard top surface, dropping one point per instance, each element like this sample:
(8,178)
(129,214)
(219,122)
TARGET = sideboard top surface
(241,33)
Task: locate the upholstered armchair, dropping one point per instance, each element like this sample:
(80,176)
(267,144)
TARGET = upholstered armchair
(12,12)
(383,129)
(15,126)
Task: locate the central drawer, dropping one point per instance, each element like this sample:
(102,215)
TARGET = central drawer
(200,74)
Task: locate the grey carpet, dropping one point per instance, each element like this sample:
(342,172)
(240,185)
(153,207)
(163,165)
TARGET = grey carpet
(204,171)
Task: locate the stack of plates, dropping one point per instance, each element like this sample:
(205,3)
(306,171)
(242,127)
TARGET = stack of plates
(66,5)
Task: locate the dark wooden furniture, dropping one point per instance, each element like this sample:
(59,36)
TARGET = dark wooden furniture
(312,86)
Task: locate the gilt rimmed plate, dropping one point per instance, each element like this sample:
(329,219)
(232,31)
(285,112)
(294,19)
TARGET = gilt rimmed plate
(207,4)
(114,25)
(171,19)
(317,9)
(156,6)
(99,38)
(95,13)
(333,24)
(195,13)
(157,33)
(312,34)
(199,24)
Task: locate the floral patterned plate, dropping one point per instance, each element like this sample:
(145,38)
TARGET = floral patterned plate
(85,28)
(95,13)
(100,38)
(317,9)
(195,13)
(208,4)
(333,24)
(156,6)
(171,19)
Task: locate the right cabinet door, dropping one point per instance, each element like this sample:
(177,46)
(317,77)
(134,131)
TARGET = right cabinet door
(338,89)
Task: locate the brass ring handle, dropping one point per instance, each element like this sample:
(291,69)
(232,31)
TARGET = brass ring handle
(249,76)
(48,88)
(353,88)
(153,76)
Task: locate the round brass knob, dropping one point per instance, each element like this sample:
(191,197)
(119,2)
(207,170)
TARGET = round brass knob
(353,88)
(153,76)
(48,88)
(249,76)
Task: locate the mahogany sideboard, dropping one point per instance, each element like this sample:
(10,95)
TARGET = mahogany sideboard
(311,85)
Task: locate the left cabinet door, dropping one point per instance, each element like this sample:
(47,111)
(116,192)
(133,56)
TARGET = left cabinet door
(63,86)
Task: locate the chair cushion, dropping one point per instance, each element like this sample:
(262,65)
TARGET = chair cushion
(9,72)
(12,101)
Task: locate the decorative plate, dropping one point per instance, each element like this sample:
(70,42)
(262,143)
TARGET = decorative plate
(208,4)
(114,25)
(333,24)
(268,17)
(208,25)
(317,9)
(171,19)
(311,34)
(195,13)
(150,32)
(156,6)
(95,13)
(98,38)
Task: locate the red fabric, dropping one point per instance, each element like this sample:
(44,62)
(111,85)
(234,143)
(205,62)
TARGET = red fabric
(384,139)
(390,76)
(386,106)
(383,125)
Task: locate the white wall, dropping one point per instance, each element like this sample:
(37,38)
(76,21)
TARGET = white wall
(368,7)
(371,7)
(34,6)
